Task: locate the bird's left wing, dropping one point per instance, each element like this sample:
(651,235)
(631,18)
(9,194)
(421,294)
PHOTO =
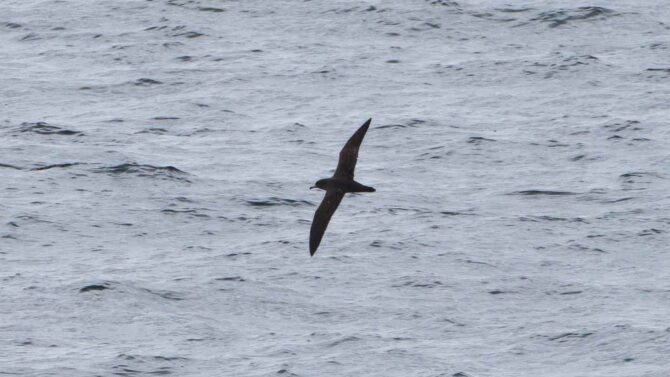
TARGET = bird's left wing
(322,217)
(349,154)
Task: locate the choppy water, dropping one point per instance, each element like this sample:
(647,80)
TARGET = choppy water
(155,159)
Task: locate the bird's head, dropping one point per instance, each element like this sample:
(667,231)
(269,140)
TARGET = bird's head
(321,183)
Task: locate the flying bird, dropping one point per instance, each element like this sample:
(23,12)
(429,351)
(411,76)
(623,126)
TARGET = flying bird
(339,184)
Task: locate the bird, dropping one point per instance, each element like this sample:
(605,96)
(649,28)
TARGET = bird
(336,186)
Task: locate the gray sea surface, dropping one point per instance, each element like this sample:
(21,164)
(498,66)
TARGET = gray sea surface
(155,160)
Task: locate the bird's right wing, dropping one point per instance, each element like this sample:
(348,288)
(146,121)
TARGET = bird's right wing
(349,154)
(322,217)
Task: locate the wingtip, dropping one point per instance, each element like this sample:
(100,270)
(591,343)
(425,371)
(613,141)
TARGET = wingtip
(367,122)
(312,252)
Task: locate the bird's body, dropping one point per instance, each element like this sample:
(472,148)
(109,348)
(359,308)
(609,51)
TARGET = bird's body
(339,184)
(344,185)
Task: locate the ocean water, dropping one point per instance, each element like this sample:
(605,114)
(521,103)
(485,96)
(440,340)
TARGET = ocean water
(155,160)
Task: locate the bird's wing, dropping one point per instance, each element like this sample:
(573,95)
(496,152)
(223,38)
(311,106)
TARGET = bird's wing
(322,217)
(349,154)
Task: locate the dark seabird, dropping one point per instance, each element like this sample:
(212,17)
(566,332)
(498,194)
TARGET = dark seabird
(339,184)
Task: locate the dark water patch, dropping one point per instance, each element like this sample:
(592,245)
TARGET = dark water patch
(184,58)
(344,340)
(460,374)
(211,9)
(122,370)
(199,248)
(631,177)
(150,171)
(54,166)
(638,180)
(146,82)
(393,126)
(414,284)
(445,3)
(231,278)
(398,245)
(29,219)
(477,140)
(403,210)
(30,37)
(513,10)
(11,25)
(475,262)
(556,143)
(129,364)
(326,71)
(10,166)
(96,287)
(498,292)
(661,70)
(650,232)
(622,125)
(342,10)
(189,34)
(152,28)
(191,212)
(172,44)
(170,358)
(542,193)
(415,122)
(434,155)
(501,14)
(553,218)
(168,295)
(567,293)
(558,17)
(234,255)
(618,200)
(165,118)
(294,128)
(583,248)
(275,201)
(286,373)
(44,128)
(620,214)
(491,17)
(576,60)
(559,62)
(455,213)
(568,336)
(658,46)
(161,371)
(577,157)
(153,130)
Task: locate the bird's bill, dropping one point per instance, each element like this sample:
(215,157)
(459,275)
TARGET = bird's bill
(313,187)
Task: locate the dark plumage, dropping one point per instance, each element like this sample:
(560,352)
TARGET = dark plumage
(339,184)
